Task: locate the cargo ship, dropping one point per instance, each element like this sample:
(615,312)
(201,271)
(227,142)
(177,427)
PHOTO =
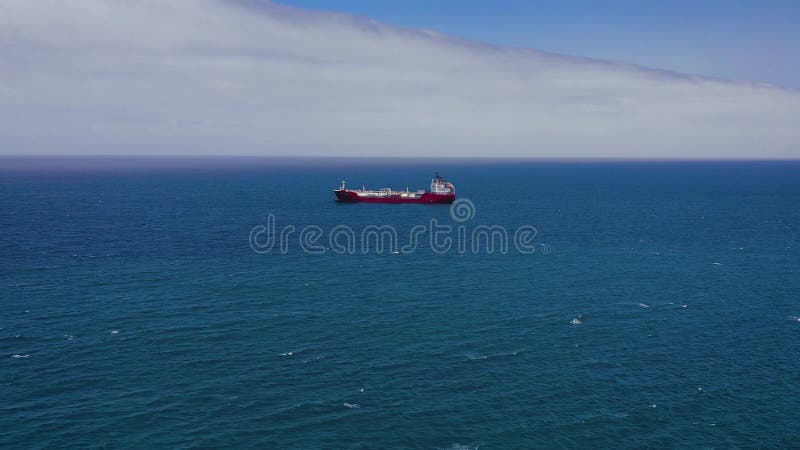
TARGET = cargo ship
(441,192)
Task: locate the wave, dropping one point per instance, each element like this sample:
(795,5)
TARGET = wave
(475,357)
(458,446)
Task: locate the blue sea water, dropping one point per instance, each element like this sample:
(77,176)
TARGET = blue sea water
(660,308)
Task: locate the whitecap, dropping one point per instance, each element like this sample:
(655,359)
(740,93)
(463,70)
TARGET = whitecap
(287,354)
(644,305)
(684,306)
(576,321)
(717,264)
(114,331)
(18,356)
(69,337)
(352,405)
(458,446)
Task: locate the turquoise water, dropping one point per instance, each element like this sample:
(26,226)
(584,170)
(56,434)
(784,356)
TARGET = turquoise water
(663,313)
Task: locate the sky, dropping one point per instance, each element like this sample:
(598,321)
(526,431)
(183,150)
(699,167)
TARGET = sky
(733,39)
(252,77)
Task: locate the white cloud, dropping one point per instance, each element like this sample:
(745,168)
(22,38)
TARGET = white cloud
(246,77)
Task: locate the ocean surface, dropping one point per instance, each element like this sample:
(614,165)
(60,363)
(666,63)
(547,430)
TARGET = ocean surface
(659,307)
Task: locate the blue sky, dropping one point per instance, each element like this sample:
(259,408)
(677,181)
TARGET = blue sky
(755,40)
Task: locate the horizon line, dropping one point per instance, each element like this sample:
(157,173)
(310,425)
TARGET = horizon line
(186,156)
(76,162)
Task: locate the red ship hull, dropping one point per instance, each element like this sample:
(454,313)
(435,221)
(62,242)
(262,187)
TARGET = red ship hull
(441,192)
(348,196)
